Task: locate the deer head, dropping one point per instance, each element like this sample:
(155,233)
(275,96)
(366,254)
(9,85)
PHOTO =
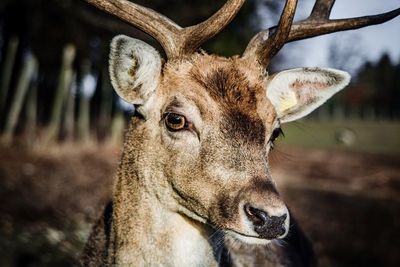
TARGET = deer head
(204,124)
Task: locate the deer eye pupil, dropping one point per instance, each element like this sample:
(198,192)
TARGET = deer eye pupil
(175,122)
(275,134)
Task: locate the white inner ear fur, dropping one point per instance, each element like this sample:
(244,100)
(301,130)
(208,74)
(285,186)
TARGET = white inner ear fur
(297,92)
(135,69)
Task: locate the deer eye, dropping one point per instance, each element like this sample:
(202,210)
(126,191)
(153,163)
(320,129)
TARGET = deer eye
(175,122)
(275,134)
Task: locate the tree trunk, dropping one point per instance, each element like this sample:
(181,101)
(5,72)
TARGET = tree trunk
(117,126)
(7,69)
(31,110)
(20,92)
(64,82)
(87,87)
(105,105)
(69,121)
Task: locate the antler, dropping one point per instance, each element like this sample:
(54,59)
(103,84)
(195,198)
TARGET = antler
(267,43)
(175,40)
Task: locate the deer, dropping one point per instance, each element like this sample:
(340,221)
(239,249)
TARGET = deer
(193,186)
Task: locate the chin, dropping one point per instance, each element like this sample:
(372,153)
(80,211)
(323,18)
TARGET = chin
(247,239)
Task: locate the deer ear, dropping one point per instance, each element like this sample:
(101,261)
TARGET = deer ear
(135,69)
(295,93)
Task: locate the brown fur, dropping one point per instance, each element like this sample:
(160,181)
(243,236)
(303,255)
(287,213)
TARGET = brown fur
(175,188)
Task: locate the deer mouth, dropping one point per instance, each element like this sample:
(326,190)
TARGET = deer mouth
(248,239)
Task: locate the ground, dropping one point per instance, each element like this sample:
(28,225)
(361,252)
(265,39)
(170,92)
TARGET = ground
(348,203)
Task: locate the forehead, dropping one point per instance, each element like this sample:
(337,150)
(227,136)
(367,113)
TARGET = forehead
(227,84)
(231,85)
(231,82)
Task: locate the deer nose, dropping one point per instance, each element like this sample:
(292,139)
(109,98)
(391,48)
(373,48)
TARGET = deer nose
(268,227)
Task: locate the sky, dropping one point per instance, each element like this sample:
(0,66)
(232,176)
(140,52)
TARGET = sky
(365,44)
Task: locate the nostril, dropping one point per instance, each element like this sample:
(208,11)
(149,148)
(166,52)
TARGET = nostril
(256,216)
(280,219)
(266,226)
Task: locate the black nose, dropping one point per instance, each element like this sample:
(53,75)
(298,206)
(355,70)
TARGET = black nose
(266,226)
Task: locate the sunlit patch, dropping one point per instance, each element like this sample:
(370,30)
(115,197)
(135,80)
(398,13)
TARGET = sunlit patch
(287,101)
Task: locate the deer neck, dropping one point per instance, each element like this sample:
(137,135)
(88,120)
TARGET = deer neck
(147,233)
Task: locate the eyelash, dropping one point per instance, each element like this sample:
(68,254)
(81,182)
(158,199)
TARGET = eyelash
(276,133)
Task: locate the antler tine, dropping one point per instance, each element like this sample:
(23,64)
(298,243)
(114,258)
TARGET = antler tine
(322,9)
(318,23)
(198,34)
(314,26)
(158,26)
(266,44)
(175,40)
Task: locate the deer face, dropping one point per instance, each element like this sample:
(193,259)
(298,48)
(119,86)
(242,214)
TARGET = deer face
(207,126)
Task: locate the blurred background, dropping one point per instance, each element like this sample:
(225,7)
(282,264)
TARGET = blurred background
(62,127)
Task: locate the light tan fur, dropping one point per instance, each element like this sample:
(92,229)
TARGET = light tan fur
(170,189)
